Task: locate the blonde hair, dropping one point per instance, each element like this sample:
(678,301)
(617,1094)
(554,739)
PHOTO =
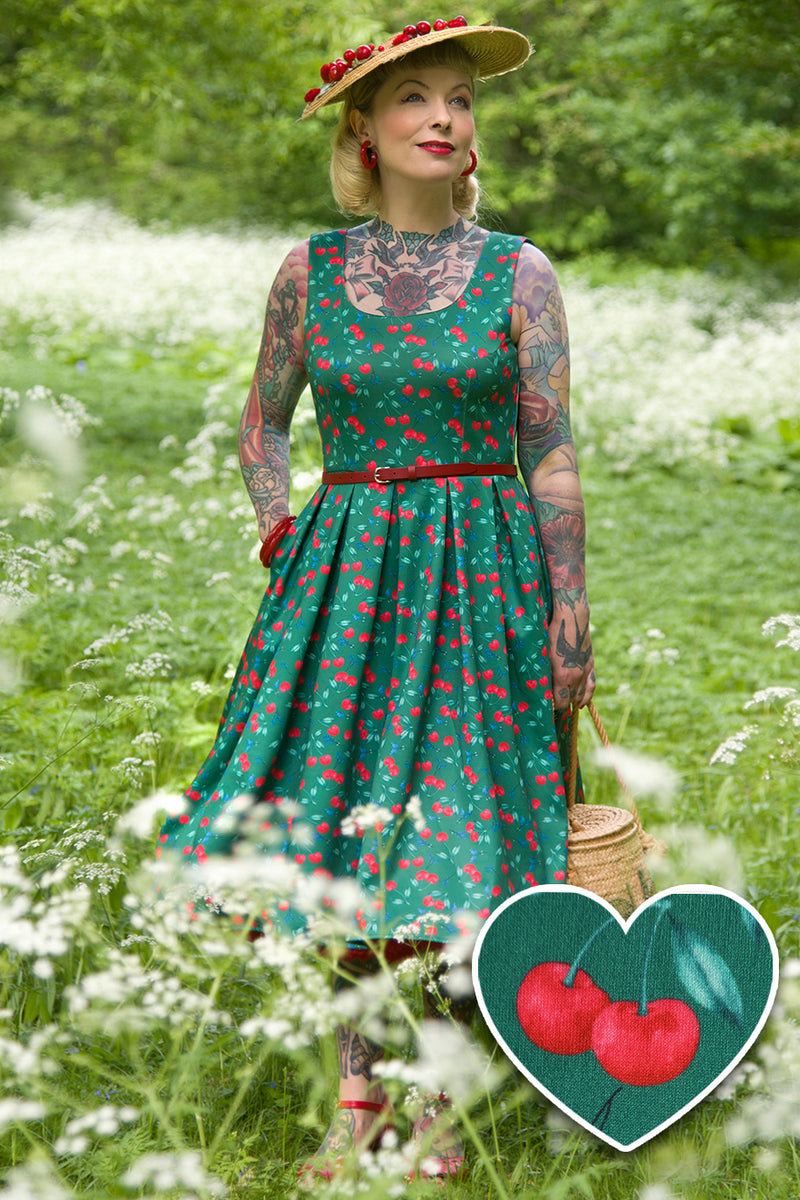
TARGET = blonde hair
(357,190)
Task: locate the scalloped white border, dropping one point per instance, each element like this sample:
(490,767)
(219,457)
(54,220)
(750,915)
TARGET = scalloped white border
(681,890)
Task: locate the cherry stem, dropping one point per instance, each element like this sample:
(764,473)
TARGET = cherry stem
(605,1110)
(642,1009)
(569,978)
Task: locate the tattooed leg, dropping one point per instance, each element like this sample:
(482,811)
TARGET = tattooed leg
(351,1128)
(438,1003)
(357,1056)
(440,1145)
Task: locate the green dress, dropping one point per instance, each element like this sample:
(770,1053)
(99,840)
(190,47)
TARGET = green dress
(399,657)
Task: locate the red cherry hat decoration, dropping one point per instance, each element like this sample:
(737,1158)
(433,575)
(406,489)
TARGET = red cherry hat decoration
(494,49)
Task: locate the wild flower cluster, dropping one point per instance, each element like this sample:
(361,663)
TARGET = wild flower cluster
(86,267)
(145,1017)
(775,738)
(670,370)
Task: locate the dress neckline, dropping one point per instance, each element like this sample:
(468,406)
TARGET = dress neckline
(428,312)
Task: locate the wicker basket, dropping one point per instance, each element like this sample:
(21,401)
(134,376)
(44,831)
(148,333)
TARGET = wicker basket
(607,846)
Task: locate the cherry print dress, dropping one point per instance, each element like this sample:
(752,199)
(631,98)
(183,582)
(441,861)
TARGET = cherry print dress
(399,657)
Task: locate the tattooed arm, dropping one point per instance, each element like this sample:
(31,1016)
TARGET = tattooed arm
(277,383)
(550,468)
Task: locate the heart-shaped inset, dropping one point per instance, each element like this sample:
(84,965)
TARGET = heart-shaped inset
(625,1025)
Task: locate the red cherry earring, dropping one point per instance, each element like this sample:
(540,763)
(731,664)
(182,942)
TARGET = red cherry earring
(473,162)
(369,156)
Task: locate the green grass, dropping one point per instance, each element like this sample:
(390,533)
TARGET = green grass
(694,555)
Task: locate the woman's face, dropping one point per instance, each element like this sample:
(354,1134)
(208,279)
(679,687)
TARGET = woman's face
(422,123)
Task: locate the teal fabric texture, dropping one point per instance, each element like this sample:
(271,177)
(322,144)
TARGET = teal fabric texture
(399,657)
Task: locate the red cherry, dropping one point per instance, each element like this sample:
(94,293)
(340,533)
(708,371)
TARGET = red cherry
(333,73)
(312,95)
(349,56)
(325,72)
(647,1049)
(399,38)
(457,22)
(410,31)
(423,27)
(437,25)
(363,52)
(555,1017)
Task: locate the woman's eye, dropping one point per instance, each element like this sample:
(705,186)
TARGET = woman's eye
(412,96)
(463,101)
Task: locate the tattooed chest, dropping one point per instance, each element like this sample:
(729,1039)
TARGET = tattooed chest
(404,289)
(397,280)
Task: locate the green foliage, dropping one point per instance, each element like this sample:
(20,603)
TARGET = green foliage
(665,129)
(187,111)
(670,130)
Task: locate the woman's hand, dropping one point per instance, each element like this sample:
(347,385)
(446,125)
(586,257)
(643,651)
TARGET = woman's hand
(571,657)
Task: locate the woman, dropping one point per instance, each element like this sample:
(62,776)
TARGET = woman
(427,624)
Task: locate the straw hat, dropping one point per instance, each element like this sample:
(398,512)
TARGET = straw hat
(495,51)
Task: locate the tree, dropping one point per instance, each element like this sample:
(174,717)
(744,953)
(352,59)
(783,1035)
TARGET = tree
(664,128)
(184,110)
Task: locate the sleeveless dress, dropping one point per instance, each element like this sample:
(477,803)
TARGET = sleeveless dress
(399,658)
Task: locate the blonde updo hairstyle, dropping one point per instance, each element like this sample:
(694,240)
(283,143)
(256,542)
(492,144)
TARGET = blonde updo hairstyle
(357,190)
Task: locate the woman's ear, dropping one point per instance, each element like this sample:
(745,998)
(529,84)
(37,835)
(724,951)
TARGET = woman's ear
(358,125)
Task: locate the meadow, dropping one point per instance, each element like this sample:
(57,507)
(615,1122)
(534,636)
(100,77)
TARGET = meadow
(148,1049)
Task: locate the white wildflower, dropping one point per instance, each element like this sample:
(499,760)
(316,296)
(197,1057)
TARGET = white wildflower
(770,695)
(656,1191)
(728,751)
(643,775)
(447,1061)
(148,738)
(15,1111)
(163,1172)
(36,1180)
(131,769)
(305,479)
(154,666)
(414,812)
(105,1121)
(364,817)
(791,622)
(695,853)
(141,819)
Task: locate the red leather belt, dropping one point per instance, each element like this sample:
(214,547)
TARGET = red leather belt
(418,471)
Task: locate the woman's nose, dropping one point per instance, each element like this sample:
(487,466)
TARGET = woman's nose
(440,117)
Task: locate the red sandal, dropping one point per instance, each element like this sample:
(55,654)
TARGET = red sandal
(327,1168)
(433,1167)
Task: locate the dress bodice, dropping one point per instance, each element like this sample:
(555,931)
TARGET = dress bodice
(427,387)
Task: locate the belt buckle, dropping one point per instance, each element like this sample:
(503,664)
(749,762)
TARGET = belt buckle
(376,476)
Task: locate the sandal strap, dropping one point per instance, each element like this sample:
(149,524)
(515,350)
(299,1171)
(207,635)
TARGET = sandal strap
(369,1105)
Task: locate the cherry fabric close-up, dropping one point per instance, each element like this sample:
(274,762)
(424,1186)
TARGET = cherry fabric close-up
(625,1025)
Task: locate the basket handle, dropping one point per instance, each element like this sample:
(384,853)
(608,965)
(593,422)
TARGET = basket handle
(573,762)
